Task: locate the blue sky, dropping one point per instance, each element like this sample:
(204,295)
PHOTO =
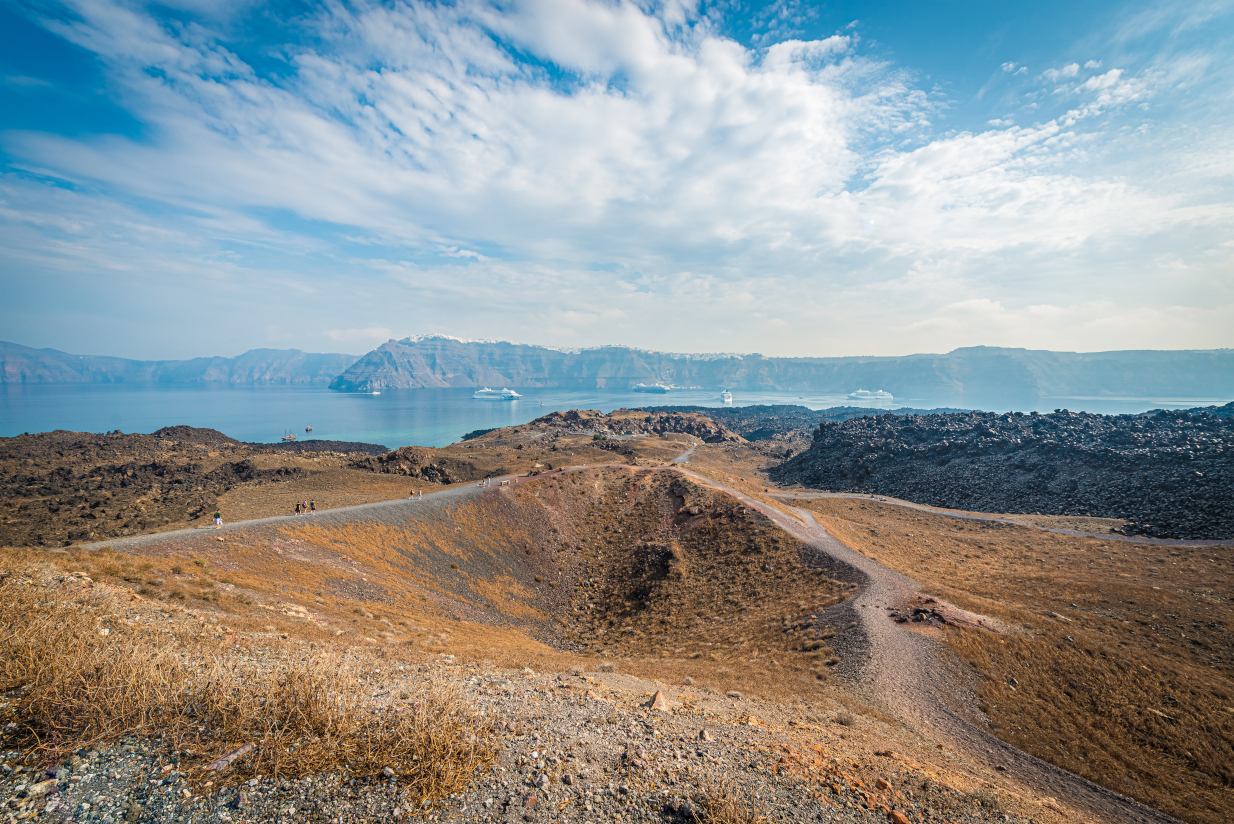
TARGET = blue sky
(193,177)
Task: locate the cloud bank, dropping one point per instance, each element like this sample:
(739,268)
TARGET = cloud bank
(575,172)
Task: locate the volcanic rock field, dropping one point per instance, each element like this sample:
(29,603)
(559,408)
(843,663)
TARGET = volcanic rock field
(1170,474)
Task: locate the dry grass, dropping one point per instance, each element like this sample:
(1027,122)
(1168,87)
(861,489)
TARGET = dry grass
(726,804)
(1121,668)
(79,672)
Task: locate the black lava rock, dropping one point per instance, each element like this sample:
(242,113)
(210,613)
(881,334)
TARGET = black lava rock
(1171,474)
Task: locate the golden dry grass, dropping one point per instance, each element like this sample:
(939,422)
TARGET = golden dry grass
(726,804)
(79,671)
(1120,666)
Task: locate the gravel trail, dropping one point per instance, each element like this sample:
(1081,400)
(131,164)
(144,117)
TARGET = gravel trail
(907,674)
(394,513)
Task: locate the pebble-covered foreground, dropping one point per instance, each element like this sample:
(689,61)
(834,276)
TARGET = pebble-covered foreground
(574,748)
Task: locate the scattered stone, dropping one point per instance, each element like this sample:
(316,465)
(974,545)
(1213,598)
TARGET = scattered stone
(225,761)
(41,788)
(658,702)
(703,735)
(734,694)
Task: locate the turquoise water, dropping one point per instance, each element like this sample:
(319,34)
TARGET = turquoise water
(397,417)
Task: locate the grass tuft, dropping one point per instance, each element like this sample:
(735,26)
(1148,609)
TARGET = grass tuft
(725,804)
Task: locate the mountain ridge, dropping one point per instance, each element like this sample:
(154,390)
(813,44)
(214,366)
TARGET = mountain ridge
(26,365)
(439,361)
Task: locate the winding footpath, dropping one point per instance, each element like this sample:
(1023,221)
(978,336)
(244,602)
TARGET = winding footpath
(907,674)
(904,672)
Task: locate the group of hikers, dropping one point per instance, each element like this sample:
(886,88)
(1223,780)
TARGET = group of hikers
(306,508)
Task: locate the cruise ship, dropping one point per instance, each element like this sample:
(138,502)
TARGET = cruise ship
(655,388)
(726,396)
(867,395)
(487,394)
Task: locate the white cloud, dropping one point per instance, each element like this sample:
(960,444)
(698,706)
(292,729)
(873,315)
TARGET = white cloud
(655,184)
(1054,75)
(1093,64)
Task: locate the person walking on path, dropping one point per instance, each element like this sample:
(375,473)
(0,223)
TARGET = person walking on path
(313,507)
(297,507)
(218,520)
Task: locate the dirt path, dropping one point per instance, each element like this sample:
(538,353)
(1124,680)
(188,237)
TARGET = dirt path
(394,512)
(967,516)
(906,673)
(903,671)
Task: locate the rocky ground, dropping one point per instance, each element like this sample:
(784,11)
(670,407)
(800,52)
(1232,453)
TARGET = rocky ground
(615,583)
(581,746)
(1169,474)
(639,422)
(757,423)
(60,487)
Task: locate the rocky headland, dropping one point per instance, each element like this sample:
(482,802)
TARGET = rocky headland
(1171,474)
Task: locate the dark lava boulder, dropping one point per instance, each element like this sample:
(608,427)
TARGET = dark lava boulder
(421,463)
(1171,474)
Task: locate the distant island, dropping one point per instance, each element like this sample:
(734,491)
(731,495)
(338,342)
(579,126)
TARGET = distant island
(441,361)
(256,367)
(430,361)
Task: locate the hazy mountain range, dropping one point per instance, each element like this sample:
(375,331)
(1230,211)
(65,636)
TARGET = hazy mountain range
(439,361)
(22,364)
(435,361)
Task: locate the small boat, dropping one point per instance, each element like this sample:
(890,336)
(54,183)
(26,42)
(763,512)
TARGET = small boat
(726,396)
(487,394)
(290,437)
(867,395)
(308,429)
(376,393)
(656,388)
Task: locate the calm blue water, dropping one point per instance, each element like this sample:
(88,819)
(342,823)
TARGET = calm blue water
(397,417)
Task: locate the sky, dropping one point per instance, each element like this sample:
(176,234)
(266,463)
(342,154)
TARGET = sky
(201,177)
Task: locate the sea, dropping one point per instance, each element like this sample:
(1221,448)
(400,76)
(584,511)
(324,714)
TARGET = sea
(425,417)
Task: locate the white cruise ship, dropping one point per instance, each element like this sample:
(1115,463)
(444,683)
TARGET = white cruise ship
(655,388)
(487,394)
(867,395)
(726,396)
